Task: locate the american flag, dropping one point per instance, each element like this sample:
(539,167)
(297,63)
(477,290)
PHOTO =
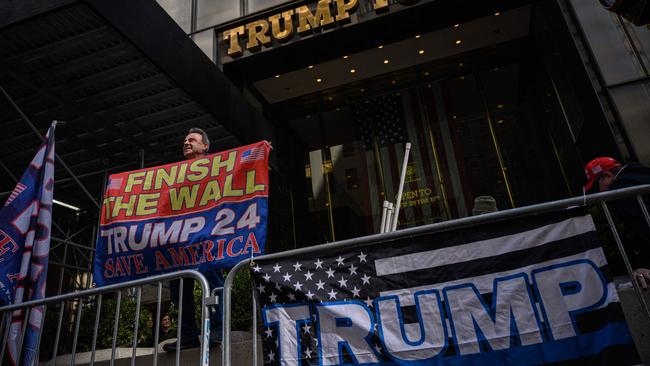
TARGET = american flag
(407,268)
(18,190)
(25,225)
(253,154)
(114,183)
(380,118)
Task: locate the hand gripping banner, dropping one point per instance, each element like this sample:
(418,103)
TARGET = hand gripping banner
(25,222)
(205,214)
(530,291)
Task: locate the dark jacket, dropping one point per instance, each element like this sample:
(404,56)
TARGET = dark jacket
(634,229)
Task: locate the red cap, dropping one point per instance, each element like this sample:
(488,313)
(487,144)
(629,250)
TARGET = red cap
(596,167)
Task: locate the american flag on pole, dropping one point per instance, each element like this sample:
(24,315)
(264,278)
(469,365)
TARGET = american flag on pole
(529,291)
(25,224)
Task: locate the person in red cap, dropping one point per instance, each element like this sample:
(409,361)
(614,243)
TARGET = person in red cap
(606,174)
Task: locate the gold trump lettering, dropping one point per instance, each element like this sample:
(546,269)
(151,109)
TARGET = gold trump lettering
(301,20)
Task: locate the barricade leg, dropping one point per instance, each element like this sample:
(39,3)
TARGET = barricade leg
(76,333)
(94,342)
(135,326)
(116,325)
(58,332)
(626,260)
(157,325)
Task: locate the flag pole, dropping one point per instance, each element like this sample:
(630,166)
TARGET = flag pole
(407,150)
(389,217)
(382,229)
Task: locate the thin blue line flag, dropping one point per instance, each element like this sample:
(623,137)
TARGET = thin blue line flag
(25,222)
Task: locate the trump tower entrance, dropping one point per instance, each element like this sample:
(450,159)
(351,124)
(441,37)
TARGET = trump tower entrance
(482,97)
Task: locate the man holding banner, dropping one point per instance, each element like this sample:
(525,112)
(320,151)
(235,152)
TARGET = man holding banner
(195,145)
(206,213)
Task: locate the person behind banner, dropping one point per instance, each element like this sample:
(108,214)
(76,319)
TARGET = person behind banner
(195,145)
(605,174)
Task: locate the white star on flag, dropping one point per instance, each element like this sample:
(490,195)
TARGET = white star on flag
(365,279)
(269,332)
(291,297)
(343,282)
(306,328)
(287,277)
(276,268)
(271,356)
(339,261)
(319,263)
(273,297)
(355,292)
(332,294)
(368,302)
(266,277)
(257,268)
(362,257)
(260,288)
(320,285)
(330,273)
(308,275)
(297,267)
(309,295)
(278,286)
(308,352)
(297,286)
(353,269)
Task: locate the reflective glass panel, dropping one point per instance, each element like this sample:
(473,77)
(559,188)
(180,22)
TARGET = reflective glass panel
(180,11)
(213,12)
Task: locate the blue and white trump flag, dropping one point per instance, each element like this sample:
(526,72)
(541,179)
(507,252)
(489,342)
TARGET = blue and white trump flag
(25,222)
(529,291)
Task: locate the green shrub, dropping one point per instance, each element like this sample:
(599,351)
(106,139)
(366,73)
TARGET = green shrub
(107,320)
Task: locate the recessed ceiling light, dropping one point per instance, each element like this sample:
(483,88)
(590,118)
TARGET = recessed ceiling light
(319,80)
(500,106)
(330,98)
(418,36)
(398,94)
(308,116)
(338,109)
(456,25)
(277,76)
(352,71)
(421,52)
(386,61)
(428,86)
(346,56)
(458,41)
(380,46)
(311,66)
(454,117)
(426,73)
(362,90)
(393,82)
(500,121)
(461,64)
(497,14)
(462,78)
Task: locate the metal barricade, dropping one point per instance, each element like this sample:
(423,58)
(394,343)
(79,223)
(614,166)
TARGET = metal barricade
(586,200)
(97,295)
